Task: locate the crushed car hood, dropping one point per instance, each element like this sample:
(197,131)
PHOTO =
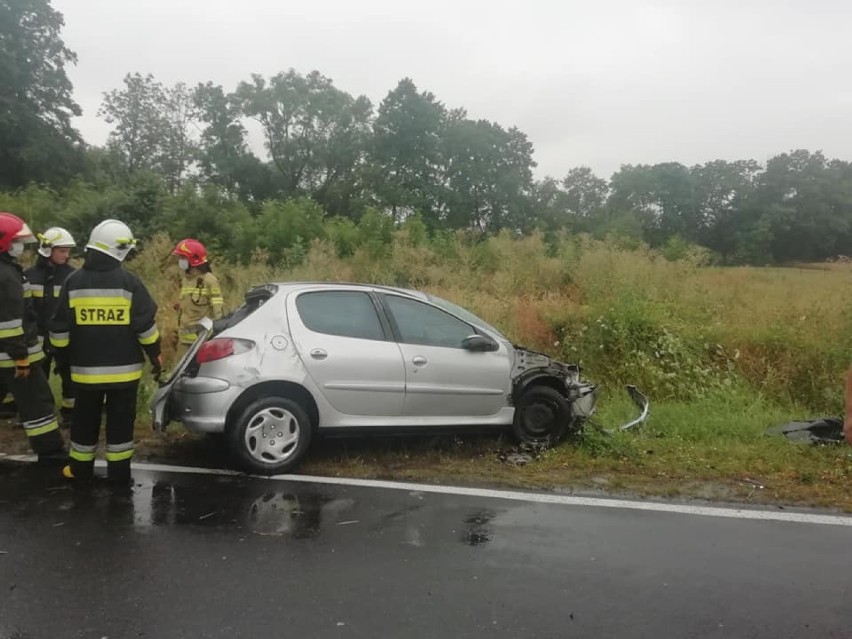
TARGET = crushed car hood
(527,360)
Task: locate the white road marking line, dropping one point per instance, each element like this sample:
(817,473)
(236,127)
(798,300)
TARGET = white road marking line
(489,493)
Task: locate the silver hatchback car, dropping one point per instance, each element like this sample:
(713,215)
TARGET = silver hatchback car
(306,358)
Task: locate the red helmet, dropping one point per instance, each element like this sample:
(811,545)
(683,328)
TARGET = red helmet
(192,250)
(13,228)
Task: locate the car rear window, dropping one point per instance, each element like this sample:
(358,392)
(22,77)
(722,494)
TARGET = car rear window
(255,298)
(345,313)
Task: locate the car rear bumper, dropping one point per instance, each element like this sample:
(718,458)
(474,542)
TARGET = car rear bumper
(202,403)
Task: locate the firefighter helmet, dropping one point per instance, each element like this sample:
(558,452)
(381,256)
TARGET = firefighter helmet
(192,250)
(54,237)
(13,229)
(112,238)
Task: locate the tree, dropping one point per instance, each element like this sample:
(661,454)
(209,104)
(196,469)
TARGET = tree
(405,155)
(805,202)
(154,128)
(37,141)
(286,227)
(315,134)
(723,192)
(487,175)
(136,112)
(178,145)
(575,203)
(662,196)
(224,158)
(585,193)
(208,216)
(547,202)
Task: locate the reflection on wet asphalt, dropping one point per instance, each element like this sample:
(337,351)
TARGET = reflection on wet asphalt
(181,555)
(213,503)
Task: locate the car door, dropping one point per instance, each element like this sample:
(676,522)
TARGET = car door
(348,351)
(441,377)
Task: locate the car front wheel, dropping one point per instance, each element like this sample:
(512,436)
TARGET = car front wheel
(542,416)
(271,436)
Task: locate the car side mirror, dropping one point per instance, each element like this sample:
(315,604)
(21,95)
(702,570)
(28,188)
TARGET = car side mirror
(479,343)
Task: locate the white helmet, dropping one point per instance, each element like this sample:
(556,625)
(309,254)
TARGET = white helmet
(112,238)
(54,237)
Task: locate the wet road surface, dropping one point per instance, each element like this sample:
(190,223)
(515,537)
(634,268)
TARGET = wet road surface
(184,555)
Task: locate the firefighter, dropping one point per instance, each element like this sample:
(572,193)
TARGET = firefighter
(20,348)
(200,294)
(105,322)
(46,279)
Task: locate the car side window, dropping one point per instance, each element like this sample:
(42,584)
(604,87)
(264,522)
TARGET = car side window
(420,323)
(344,313)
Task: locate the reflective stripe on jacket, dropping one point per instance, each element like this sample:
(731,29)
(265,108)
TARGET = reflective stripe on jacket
(105,319)
(46,280)
(200,296)
(19,338)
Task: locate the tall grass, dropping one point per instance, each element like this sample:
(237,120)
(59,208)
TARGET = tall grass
(680,330)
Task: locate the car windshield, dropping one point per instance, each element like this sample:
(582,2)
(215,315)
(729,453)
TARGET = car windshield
(461,313)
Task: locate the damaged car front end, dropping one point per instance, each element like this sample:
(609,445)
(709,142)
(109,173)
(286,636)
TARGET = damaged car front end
(552,401)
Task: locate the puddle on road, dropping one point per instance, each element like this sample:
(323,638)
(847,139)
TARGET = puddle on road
(243,505)
(246,504)
(478,531)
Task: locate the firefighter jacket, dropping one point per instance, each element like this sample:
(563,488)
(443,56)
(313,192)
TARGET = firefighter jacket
(200,296)
(19,338)
(46,280)
(104,321)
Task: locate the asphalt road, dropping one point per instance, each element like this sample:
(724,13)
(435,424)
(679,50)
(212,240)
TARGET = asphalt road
(215,556)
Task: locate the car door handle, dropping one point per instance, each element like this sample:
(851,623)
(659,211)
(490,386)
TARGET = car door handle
(319,353)
(419,360)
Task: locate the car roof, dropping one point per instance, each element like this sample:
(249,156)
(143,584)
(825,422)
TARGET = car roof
(287,287)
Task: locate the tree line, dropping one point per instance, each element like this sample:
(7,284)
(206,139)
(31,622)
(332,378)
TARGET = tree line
(179,158)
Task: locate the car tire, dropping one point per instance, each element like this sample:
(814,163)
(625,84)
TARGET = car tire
(270,436)
(542,416)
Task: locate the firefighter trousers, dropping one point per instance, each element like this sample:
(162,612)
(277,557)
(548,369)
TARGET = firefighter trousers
(7,402)
(34,402)
(66,410)
(120,404)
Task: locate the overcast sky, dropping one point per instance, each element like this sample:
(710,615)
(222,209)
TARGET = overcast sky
(599,83)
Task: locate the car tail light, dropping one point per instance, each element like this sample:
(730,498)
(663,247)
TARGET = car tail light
(221,348)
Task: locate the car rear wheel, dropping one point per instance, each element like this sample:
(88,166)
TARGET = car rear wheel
(542,416)
(271,436)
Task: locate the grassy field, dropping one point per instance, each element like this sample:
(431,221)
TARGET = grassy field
(723,353)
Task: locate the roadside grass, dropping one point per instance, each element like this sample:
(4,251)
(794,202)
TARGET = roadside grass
(722,353)
(713,449)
